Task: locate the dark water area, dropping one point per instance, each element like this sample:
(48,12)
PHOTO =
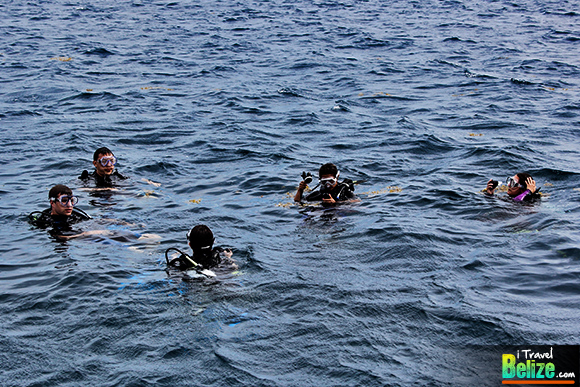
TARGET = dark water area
(223,105)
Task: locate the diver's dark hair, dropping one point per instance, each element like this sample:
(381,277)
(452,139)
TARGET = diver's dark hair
(328,169)
(101,151)
(58,190)
(200,238)
(522,177)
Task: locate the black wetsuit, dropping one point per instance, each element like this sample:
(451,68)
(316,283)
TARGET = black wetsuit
(343,191)
(102,181)
(59,223)
(211,259)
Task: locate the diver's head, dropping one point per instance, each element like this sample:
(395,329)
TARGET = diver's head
(61,200)
(328,169)
(517,184)
(200,239)
(328,176)
(104,161)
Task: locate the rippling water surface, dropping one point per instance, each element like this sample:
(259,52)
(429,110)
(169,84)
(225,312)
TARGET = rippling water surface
(224,104)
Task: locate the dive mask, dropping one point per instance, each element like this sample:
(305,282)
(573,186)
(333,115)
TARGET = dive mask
(511,183)
(328,183)
(65,199)
(107,160)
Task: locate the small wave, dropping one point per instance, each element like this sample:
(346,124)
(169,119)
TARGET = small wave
(147,139)
(222,69)
(102,96)
(20,113)
(369,42)
(473,265)
(161,166)
(456,39)
(289,92)
(470,74)
(308,119)
(441,61)
(553,174)
(572,107)
(425,145)
(304,66)
(340,106)
(569,252)
(101,52)
(476,327)
(521,82)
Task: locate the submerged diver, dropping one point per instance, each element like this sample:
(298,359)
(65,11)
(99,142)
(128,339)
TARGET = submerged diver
(105,174)
(205,256)
(521,187)
(331,191)
(61,215)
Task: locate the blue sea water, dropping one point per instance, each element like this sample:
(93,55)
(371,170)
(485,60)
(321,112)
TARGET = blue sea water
(222,105)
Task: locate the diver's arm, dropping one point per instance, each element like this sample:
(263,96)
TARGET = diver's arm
(81,234)
(119,222)
(301,188)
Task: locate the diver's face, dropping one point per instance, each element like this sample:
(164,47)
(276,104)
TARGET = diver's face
(516,189)
(58,208)
(328,182)
(105,164)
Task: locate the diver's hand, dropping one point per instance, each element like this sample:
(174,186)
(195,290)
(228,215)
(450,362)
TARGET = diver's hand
(489,189)
(302,186)
(227,253)
(328,200)
(531,184)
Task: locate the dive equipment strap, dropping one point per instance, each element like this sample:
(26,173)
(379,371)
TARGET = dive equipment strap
(87,216)
(196,266)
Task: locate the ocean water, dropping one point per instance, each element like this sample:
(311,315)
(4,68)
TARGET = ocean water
(214,109)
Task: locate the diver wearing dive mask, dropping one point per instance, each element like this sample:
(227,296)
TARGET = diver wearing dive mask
(327,183)
(330,191)
(61,215)
(520,187)
(105,174)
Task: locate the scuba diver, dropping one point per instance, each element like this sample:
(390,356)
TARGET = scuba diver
(105,175)
(205,256)
(61,215)
(520,188)
(331,191)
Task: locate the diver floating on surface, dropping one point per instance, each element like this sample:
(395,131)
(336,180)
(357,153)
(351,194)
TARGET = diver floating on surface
(184,262)
(61,215)
(105,175)
(331,190)
(520,188)
(205,256)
